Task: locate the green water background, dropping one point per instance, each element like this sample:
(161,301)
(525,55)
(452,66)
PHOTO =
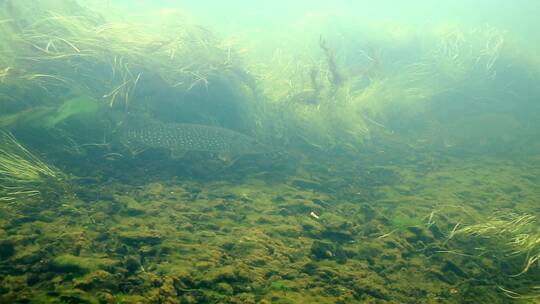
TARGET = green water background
(434,127)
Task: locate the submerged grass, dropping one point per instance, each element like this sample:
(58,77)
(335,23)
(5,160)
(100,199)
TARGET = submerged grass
(20,165)
(519,234)
(509,235)
(353,224)
(21,172)
(72,47)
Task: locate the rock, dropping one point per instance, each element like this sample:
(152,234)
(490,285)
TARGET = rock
(7,249)
(132,264)
(106,298)
(286,230)
(511,189)
(450,267)
(336,228)
(154,189)
(418,235)
(221,274)
(97,280)
(47,216)
(311,227)
(365,289)
(204,265)
(309,268)
(228,245)
(337,235)
(131,206)
(122,249)
(225,288)
(78,265)
(279,199)
(436,232)
(22,220)
(168,292)
(299,206)
(322,250)
(30,258)
(369,252)
(136,238)
(306,184)
(74,296)
(244,298)
(368,213)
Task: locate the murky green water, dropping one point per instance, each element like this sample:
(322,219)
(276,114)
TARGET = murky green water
(245,152)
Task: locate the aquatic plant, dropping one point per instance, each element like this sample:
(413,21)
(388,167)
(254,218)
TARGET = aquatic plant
(379,85)
(460,52)
(310,102)
(75,106)
(22,173)
(509,235)
(64,44)
(336,79)
(47,117)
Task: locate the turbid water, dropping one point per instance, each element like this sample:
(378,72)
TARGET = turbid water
(407,132)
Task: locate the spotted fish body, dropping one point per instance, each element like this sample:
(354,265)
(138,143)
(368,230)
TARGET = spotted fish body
(179,138)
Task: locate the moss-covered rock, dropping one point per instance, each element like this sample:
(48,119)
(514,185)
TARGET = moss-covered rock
(222,274)
(7,249)
(137,238)
(336,228)
(132,264)
(79,265)
(224,288)
(98,280)
(131,207)
(321,250)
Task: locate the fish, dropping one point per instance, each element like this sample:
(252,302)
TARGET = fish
(183,137)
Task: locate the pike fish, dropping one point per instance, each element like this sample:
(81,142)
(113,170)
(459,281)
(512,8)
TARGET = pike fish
(181,137)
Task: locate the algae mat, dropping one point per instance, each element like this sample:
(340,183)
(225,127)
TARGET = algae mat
(186,241)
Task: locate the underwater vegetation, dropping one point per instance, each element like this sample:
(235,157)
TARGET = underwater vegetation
(373,162)
(48,117)
(508,236)
(448,77)
(22,173)
(55,51)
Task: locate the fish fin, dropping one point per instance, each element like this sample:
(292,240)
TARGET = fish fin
(136,152)
(228,159)
(178,153)
(224,157)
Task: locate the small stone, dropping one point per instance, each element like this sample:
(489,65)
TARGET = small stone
(78,265)
(322,250)
(97,280)
(225,288)
(136,238)
(222,274)
(132,264)
(106,298)
(7,249)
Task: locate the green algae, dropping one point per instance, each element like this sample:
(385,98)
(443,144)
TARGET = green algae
(48,117)
(266,254)
(79,265)
(363,207)
(73,107)
(402,221)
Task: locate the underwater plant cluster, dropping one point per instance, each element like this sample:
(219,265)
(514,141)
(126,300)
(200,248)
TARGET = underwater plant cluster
(150,158)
